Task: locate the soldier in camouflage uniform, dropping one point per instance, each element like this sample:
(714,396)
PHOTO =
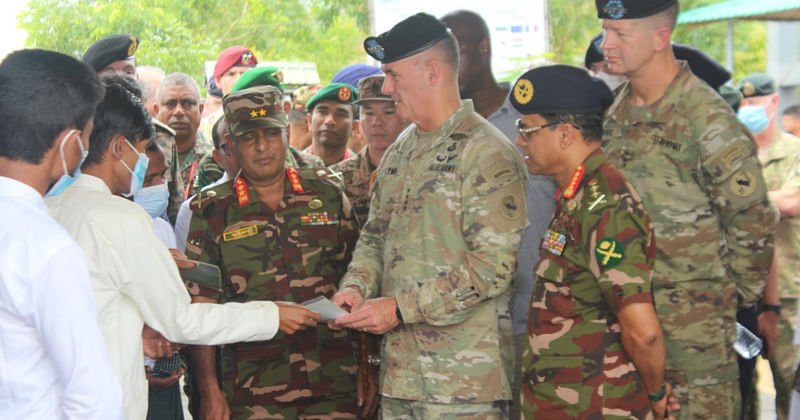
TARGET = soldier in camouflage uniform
(680,146)
(165,138)
(779,153)
(380,126)
(281,234)
(594,342)
(437,255)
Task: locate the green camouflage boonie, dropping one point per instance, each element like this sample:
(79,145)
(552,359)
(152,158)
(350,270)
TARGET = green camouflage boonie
(261,104)
(295,253)
(597,256)
(369,89)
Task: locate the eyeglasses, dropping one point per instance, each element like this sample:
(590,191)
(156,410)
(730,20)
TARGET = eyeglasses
(525,132)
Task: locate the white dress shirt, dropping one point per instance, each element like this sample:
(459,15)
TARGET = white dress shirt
(53,361)
(136,281)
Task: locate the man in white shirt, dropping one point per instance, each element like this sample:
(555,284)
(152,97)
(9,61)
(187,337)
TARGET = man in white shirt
(53,361)
(134,277)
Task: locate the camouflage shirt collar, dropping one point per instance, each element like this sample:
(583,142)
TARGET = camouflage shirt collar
(776,150)
(671,95)
(432,138)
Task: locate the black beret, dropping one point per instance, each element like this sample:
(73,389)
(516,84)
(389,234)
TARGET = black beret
(560,89)
(594,54)
(411,36)
(110,49)
(630,9)
(702,65)
(757,84)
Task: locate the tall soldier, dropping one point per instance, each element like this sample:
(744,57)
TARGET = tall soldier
(278,233)
(437,255)
(680,145)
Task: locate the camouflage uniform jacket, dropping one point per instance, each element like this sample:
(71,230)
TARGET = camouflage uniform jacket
(173,175)
(444,225)
(296,253)
(598,256)
(191,163)
(781,162)
(701,184)
(299,160)
(208,172)
(356,174)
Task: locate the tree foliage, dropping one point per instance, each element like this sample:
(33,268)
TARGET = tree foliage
(181,35)
(574,23)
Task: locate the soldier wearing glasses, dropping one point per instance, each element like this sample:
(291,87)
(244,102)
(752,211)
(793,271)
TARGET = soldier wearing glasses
(594,341)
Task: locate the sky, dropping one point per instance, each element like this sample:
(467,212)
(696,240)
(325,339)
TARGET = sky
(11,38)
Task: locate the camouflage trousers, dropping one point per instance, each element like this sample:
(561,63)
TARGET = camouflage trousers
(719,401)
(337,406)
(398,409)
(516,380)
(784,360)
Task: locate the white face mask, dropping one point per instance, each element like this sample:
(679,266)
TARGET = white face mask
(612,80)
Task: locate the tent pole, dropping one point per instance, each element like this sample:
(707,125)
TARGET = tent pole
(729,47)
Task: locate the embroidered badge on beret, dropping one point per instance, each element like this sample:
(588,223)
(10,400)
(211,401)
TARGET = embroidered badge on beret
(247,58)
(523,91)
(374,48)
(133,46)
(615,9)
(344,93)
(748,89)
(609,252)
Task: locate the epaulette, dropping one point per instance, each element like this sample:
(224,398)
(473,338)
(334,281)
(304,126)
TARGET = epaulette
(597,194)
(204,198)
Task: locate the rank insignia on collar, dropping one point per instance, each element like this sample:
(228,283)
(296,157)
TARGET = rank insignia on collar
(242,195)
(294,179)
(554,242)
(318,219)
(609,252)
(572,188)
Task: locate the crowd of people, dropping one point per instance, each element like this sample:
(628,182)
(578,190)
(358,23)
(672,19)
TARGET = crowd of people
(415,240)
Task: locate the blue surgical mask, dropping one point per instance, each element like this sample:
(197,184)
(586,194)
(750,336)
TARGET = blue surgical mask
(754,117)
(137,173)
(67,179)
(154,199)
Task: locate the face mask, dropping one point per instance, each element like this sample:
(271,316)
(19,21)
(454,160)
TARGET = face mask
(754,117)
(138,171)
(154,199)
(67,179)
(611,80)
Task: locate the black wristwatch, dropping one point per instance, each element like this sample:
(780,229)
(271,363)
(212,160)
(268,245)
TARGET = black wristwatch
(767,307)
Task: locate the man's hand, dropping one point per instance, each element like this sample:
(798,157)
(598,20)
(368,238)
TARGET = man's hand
(768,330)
(181,260)
(214,407)
(158,383)
(662,407)
(348,298)
(155,346)
(294,317)
(377,316)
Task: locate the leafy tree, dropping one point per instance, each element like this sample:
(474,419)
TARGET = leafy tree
(181,35)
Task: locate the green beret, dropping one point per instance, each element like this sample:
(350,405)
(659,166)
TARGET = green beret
(631,9)
(411,36)
(339,92)
(110,49)
(369,89)
(560,89)
(732,96)
(259,76)
(757,84)
(261,104)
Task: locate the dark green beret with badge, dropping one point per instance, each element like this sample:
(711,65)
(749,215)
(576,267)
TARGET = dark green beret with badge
(110,49)
(262,105)
(560,89)
(259,76)
(631,9)
(757,84)
(411,36)
(337,92)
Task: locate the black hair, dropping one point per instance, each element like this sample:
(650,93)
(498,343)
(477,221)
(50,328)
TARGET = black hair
(216,136)
(120,112)
(792,111)
(42,93)
(589,124)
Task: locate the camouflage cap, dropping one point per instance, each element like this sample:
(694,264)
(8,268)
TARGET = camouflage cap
(259,76)
(369,89)
(757,84)
(261,104)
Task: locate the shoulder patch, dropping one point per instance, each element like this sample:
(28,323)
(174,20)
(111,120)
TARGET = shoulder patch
(609,252)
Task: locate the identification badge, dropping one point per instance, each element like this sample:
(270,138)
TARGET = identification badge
(554,242)
(240,233)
